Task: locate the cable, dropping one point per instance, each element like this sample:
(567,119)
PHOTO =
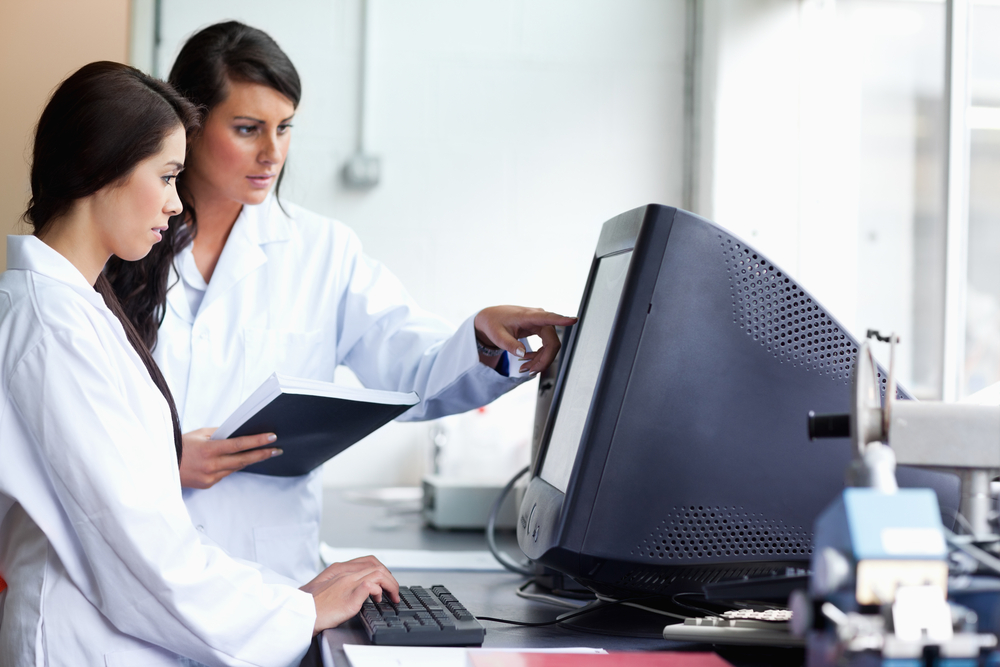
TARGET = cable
(960,518)
(980,555)
(550,599)
(604,601)
(645,608)
(594,606)
(700,610)
(491,524)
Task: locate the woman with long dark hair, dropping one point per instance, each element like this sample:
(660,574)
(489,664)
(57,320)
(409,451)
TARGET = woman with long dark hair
(102,562)
(267,286)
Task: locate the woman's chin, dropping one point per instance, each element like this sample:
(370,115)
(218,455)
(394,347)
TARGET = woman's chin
(134,254)
(254,196)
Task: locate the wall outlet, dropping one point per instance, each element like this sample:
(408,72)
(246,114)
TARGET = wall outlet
(362,171)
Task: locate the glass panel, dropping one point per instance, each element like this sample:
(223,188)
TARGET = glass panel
(982,341)
(898,63)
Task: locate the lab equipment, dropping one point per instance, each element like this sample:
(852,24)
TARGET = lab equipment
(464,504)
(880,571)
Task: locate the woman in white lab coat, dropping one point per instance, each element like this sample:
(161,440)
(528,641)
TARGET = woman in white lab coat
(267,286)
(102,562)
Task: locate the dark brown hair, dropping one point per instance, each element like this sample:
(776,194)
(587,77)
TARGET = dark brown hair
(99,124)
(209,60)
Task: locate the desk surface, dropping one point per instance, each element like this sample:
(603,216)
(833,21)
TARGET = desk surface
(350,524)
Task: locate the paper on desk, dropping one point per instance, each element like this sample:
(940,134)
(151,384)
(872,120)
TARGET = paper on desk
(415,559)
(361,655)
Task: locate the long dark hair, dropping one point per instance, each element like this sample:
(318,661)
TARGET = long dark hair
(209,60)
(99,124)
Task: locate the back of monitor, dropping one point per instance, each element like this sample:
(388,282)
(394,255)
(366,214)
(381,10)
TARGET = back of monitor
(695,465)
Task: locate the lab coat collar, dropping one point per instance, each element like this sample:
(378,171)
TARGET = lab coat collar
(266,222)
(242,254)
(29,253)
(176,297)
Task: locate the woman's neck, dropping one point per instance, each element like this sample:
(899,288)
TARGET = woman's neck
(73,236)
(216,217)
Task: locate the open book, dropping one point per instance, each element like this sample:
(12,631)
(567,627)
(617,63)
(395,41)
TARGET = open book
(314,420)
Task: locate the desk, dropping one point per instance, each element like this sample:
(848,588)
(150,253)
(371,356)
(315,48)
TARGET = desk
(349,524)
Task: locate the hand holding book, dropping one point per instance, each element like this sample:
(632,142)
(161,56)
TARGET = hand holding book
(205,461)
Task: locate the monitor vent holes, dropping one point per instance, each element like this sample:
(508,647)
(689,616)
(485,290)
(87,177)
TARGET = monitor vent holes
(722,532)
(653,580)
(775,311)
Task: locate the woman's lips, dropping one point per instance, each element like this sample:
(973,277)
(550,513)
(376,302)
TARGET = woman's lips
(261,181)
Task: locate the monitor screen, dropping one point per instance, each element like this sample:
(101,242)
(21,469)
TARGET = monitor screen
(584,369)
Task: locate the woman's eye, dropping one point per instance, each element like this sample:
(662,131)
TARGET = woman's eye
(246,129)
(284,128)
(169,179)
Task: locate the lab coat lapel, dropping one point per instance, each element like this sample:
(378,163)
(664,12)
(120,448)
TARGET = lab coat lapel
(242,255)
(176,297)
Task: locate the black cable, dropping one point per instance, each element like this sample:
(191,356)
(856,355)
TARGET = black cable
(554,597)
(700,610)
(563,617)
(491,524)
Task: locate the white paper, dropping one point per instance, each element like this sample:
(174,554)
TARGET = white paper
(433,656)
(415,559)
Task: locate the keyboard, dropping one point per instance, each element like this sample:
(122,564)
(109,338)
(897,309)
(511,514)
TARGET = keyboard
(423,617)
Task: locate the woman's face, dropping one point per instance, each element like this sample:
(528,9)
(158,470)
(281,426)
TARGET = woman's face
(242,145)
(131,215)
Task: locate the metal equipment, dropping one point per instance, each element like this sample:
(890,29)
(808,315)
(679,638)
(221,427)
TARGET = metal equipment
(880,569)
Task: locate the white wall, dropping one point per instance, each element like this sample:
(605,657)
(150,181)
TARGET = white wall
(509,131)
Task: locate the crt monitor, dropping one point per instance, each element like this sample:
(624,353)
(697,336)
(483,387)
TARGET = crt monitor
(676,452)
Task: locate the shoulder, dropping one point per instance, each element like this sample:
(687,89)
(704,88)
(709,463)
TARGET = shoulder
(50,304)
(315,232)
(33,307)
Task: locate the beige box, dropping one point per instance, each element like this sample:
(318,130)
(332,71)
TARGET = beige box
(465,504)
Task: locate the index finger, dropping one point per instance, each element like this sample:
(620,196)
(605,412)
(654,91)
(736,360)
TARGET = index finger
(388,583)
(543,318)
(246,442)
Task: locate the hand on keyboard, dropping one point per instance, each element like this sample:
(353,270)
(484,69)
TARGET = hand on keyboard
(421,617)
(341,589)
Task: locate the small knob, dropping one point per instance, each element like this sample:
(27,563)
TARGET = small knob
(829,426)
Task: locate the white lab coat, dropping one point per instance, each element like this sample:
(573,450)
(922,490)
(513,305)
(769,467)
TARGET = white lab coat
(295,294)
(102,562)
